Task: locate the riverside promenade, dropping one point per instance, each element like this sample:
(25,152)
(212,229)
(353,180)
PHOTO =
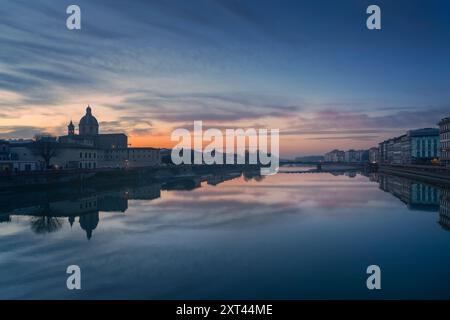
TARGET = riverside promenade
(32,179)
(434,174)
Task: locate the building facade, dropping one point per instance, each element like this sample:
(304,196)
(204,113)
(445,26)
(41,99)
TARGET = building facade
(444,138)
(87,150)
(420,146)
(374,155)
(424,145)
(335,156)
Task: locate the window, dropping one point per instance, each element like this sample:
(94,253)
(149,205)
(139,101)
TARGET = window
(423,148)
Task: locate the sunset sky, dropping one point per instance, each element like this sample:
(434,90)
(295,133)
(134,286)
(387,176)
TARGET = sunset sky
(310,68)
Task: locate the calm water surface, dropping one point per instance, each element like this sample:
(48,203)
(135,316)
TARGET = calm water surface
(288,236)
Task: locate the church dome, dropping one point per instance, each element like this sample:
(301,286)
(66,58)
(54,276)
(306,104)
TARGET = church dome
(88,118)
(88,124)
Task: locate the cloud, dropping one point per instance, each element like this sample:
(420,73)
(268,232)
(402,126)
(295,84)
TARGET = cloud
(348,122)
(205,106)
(356,137)
(24,132)
(135,126)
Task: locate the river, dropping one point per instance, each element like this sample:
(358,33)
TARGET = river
(231,236)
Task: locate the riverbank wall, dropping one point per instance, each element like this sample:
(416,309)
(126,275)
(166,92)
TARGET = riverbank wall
(54,178)
(432,174)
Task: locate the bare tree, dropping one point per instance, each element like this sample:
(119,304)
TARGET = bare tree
(45,147)
(45,224)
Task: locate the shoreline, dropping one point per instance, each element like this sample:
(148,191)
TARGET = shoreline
(55,178)
(430,174)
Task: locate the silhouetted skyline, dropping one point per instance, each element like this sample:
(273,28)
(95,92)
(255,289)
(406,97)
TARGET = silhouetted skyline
(309,68)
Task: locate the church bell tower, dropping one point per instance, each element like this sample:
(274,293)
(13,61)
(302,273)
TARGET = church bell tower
(71,129)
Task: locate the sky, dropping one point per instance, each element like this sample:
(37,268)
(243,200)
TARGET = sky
(309,68)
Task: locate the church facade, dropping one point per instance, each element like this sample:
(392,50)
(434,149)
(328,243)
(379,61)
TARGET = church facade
(89,134)
(112,150)
(88,149)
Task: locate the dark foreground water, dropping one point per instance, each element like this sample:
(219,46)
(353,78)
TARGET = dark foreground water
(288,236)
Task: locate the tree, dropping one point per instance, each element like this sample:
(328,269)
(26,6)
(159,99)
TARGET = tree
(45,147)
(45,224)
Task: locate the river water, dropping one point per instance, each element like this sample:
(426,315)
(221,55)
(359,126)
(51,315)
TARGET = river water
(229,236)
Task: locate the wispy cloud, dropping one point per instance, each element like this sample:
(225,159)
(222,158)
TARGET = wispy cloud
(159,64)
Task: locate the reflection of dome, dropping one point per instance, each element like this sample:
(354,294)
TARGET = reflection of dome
(88,123)
(88,222)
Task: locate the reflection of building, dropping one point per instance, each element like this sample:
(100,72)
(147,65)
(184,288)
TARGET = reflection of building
(444,209)
(351,174)
(417,196)
(219,178)
(46,214)
(374,177)
(444,130)
(113,202)
(424,196)
(149,192)
(88,222)
(50,208)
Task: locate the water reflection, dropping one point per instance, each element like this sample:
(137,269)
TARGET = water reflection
(417,195)
(49,210)
(228,235)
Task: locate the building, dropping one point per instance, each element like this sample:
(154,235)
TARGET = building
(334,156)
(131,157)
(58,155)
(424,145)
(356,156)
(89,149)
(421,146)
(110,149)
(374,155)
(89,134)
(4,150)
(350,156)
(9,161)
(444,137)
(16,166)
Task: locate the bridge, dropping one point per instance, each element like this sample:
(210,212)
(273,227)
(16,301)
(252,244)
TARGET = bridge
(325,168)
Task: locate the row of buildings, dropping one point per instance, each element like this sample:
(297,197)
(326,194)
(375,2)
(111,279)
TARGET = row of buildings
(88,149)
(421,146)
(350,156)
